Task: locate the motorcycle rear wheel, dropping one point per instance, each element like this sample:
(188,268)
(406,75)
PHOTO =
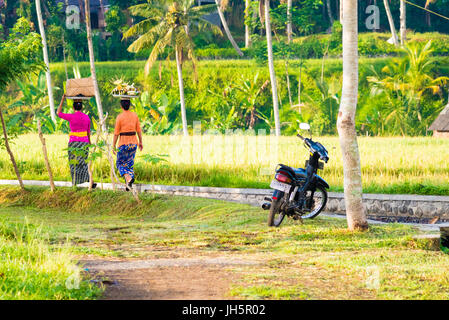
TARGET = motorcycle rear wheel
(276,216)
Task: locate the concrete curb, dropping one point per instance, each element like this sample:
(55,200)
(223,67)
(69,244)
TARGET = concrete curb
(386,207)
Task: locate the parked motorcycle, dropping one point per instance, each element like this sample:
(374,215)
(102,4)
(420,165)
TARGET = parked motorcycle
(299,193)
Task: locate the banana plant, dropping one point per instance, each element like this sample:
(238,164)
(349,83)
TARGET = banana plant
(154,114)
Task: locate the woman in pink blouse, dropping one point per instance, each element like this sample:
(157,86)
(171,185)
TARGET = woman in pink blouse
(78,150)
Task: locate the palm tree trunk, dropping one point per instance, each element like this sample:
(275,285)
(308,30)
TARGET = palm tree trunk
(287,76)
(346,121)
(247,30)
(329,12)
(92,64)
(403,29)
(289,21)
(391,22)
(45,153)
(341,12)
(46,60)
(181,92)
(8,149)
(271,67)
(299,87)
(226,28)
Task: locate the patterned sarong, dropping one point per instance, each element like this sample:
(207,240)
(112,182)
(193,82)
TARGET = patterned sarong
(78,153)
(125,159)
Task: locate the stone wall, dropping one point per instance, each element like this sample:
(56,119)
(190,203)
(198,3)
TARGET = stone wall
(386,207)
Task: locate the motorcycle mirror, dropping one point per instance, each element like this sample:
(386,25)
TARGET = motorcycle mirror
(304,126)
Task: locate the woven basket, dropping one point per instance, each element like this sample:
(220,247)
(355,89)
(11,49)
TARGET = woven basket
(84,87)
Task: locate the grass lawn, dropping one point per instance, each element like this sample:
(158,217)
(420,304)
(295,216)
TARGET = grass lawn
(389,165)
(319,259)
(32,269)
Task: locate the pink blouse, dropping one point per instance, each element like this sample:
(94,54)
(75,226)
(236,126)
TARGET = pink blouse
(79,122)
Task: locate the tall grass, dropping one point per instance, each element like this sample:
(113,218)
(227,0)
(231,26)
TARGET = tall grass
(389,165)
(31,269)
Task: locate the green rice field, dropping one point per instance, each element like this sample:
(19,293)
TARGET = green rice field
(389,165)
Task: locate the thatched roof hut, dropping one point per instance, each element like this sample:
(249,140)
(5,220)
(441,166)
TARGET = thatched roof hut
(440,126)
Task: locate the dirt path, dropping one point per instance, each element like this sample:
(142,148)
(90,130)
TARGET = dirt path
(167,279)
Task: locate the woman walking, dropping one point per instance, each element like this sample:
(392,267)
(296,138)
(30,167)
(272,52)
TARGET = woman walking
(79,140)
(127,126)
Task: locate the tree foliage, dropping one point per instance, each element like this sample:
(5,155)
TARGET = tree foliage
(19,53)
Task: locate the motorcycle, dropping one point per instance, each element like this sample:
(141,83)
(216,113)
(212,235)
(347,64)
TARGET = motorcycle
(299,193)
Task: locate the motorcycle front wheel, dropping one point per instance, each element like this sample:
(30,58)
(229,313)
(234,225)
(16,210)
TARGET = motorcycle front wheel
(318,203)
(276,216)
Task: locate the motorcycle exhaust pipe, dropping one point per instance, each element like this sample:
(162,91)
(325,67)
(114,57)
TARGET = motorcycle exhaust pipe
(266,206)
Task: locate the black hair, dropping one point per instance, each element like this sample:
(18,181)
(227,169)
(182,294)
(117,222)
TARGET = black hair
(78,106)
(125,104)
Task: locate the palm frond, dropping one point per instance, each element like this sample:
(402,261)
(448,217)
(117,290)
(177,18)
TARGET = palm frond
(152,9)
(146,40)
(158,48)
(139,28)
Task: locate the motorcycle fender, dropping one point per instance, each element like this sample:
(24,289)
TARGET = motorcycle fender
(321,182)
(277,194)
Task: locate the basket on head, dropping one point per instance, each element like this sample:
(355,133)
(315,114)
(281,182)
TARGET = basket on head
(79,88)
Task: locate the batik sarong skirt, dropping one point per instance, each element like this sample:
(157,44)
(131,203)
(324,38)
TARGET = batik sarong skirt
(125,159)
(78,153)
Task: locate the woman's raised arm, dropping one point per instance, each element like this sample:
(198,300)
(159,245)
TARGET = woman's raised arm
(60,105)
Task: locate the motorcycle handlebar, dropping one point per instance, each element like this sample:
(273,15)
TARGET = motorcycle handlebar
(300,136)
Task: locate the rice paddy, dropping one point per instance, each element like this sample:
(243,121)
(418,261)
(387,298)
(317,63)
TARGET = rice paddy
(416,165)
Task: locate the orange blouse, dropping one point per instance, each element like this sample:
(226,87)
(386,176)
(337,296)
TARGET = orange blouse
(127,121)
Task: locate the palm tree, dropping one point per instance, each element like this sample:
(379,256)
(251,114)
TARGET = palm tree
(221,6)
(92,63)
(346,120)
(247,29)
(167,24)
(403,28)
(426,6)
(329,12)
(289,21)
(273,80)
(391,22)
(46,61)
(404,84)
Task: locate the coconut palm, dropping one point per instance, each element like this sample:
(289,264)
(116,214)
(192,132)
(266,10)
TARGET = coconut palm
(221,6)
(168,24)
(426,6)
(45,52)
(391,22)
(404,84)
(247,28)
(289,21)
(403,26)
(346,120)
(264,13)
(92,64)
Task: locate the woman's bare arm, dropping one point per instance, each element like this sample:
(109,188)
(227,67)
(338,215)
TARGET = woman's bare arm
(60,105)
(139,134)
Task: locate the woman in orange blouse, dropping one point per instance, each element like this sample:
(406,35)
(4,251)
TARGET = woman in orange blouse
(127,126)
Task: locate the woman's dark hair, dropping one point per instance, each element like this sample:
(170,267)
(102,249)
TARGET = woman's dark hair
(78,106)
(125,104)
